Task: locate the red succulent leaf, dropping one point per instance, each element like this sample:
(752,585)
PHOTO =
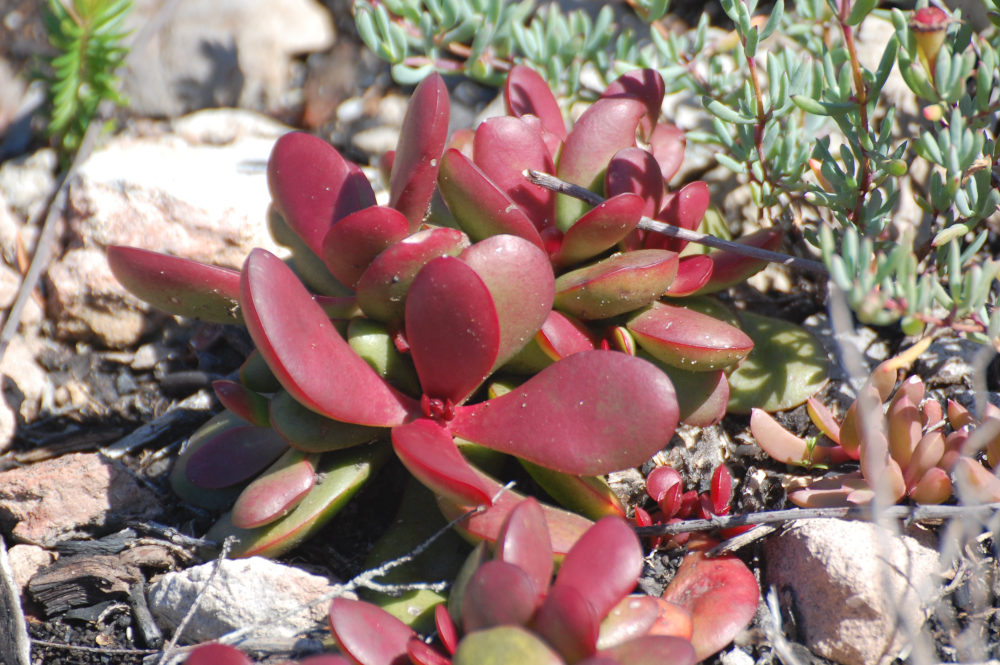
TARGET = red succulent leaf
(975,483)
(326,659)
(605,128)
(503,149)
(524,542)
(497,594)
(307,354)
(618,284)
(234,455)
(567,621)
(667,145)
(599,660)
(702,397)
(647,86)
(688,339)
(242,401)
(562,335)
(651,650)
(588,414)
(446,629)
(313,186)
(635,170)
(730,268)
(368,634)
(527,93)
(720,592)
(830,492)
(933,487)
(430,454)
(632,617)
(275,492)
(604,565)
(179,286)
(684,208)
(823,419)
(564,527)
(721,492)
(672,620)
(217,654)
(452,329)
(520,280)
(926,455)
(354,241)
(418,154)
(481,208)
(421,653)
(599,229)
(665,486)
(382,288)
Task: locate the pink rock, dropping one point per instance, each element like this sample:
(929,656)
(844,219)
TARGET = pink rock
(70,496)
(26,560)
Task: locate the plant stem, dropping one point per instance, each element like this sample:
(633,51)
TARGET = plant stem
(861,93)
(561,186)
(908,513)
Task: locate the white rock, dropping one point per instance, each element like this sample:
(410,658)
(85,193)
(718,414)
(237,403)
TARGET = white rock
(223,53)
(26,182)
(8,425)
(853,587)
(20,367)
(26,560)
(244,592)
(10,228)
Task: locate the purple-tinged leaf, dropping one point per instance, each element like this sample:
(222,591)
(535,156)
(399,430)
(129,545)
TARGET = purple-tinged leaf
(524,542)
(430,454)
(600,229)
(481,208)
(684,208)
(688,339)
(307,355)
(527,93)
(730,268)
(234,455)
(421,653)
(605,128)
(591,496)
(382,289)
(693,273)
(179,286)
(245,403)
(785,447)
(618,284)
(563,335)
(418,154)
(276,491)
(326,659)
(368,634)
(505,645)
(651,650)
(567,621)
(604,565)
(339,476)
(667,144)
(504,148)
(588,414)
(219,499)
(636,171)
(498,594)
(632,617)
(310,432)
(599,660)
(647,86)
(452,329)
(702,397)
(313,186)
(520,280)
(565,528)
(354,241)
(217,654)
(722,595)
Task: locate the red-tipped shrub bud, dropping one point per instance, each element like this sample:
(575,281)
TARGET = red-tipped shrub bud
(929,26)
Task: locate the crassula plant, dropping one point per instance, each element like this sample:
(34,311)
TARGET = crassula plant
(506,607)
(906,444)
(538,329)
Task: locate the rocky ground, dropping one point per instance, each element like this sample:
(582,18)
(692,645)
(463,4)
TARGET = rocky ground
(100,392)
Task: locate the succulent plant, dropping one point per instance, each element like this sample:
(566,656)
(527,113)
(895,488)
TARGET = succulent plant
(901,440)
(505,334)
